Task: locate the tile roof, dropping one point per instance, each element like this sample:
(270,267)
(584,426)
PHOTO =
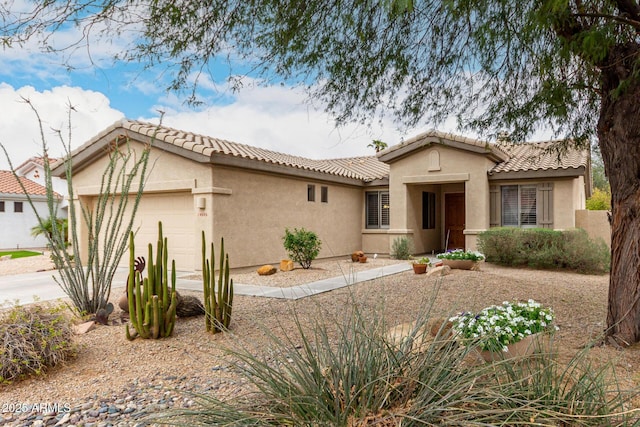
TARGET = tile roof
(434,136)
(366,168)
(10,185)
(540,156)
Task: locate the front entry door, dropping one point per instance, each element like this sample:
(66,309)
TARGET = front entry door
(454,220)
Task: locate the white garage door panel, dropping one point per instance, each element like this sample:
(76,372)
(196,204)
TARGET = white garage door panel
(175,210)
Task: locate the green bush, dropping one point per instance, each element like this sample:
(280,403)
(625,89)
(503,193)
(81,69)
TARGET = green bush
(33,339)
(599,201)
(545,249)
(362,376)
(401,248)
(303,246)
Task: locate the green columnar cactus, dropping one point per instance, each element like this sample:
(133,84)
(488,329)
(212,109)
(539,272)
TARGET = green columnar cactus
(152,305)
(217,303)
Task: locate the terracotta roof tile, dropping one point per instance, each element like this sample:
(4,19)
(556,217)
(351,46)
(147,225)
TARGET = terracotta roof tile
(539,156)
(10,185)
(361,168)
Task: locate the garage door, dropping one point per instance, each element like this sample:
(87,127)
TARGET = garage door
(175,210)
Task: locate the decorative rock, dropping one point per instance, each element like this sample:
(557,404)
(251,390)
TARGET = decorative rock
(440,271)
(83,328)
(286,265)
(5,257)
(355,257)
(123,302)
(267,270)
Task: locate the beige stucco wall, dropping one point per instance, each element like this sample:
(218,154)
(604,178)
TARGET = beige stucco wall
(250,209)
(459,171)
(596,224)
(254,215)
(171,181)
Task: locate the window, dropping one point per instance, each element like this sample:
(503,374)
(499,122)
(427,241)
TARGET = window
(428,210)
(519,207)
(17,206)
(324,194)
(377,209)
(311,193)
(1,206)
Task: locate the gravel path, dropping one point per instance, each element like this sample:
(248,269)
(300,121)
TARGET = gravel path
(114,382)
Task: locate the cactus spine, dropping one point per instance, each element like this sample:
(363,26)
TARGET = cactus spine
(152,305)
(218,300)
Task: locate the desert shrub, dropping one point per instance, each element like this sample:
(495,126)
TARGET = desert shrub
(303,246)
(362,376)
(401,248)
(599,201)
(545,249)
(33,338)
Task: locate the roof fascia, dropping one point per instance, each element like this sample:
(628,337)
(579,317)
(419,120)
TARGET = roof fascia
(550,173)
(426,141)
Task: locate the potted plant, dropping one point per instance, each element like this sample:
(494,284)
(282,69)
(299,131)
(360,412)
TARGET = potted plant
(420,265)
(461,259)
(507,330)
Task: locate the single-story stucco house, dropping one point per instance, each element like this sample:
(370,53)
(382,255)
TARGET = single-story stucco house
(16,215)
(439,189)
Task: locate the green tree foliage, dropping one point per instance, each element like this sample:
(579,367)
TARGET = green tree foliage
(570,66)
(303,246)
(599,201)
(46,228)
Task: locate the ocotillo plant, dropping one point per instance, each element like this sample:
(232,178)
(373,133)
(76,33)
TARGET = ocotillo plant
(152,305)
(218,299)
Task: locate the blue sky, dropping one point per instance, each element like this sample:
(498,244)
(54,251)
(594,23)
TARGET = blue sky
(276,117)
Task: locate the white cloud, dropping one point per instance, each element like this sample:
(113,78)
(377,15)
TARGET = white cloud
(277,118)
(20,132)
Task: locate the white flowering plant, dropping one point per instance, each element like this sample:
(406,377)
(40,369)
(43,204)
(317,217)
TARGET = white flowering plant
(460,254)
(497,326)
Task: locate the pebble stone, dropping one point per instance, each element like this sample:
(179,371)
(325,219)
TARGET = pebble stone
(130,408)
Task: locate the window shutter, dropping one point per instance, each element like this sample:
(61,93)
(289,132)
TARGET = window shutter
(372,210)
(545,205)
(384,217)
(494,206)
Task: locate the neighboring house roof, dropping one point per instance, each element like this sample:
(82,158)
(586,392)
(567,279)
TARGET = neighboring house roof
(10,185)
(207,149)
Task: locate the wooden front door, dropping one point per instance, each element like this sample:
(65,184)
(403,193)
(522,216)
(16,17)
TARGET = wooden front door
(454,222)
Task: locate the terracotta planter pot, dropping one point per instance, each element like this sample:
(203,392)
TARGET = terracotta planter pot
(532,344)
(419,268)
(460,264)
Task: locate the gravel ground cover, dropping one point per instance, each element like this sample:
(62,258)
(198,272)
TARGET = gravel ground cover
(115,382)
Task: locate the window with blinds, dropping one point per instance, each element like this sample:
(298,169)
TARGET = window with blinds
(377,209)
(519,207)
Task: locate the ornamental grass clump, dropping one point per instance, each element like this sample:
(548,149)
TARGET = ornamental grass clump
(350,371)
(461,255)
(497,326)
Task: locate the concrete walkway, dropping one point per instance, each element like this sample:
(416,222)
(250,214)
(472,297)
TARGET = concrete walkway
(33,287)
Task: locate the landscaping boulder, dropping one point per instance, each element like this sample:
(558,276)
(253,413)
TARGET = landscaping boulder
(267,270)
(83,328)
(355,257)
(443,270)
(286,265)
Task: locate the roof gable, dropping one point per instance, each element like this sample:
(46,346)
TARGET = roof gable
(426,139)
